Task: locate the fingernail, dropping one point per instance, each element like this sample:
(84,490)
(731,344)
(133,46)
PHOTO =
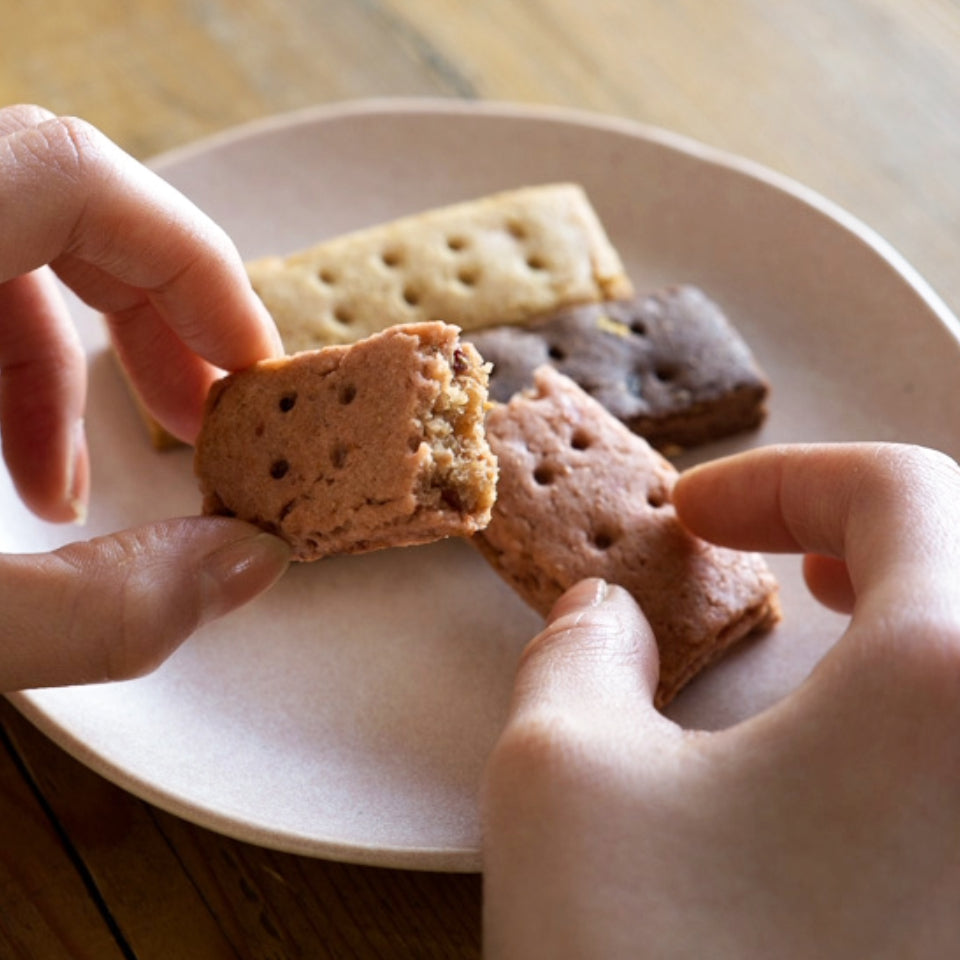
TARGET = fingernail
(236,572)
(587,593)
(78,509)
(77,475)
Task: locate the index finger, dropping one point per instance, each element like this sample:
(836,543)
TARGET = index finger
(67,191)
(891,512)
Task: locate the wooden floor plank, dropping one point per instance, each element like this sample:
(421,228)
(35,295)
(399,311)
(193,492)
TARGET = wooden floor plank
(197,895)
(303,907)
(46,910)
(153,900)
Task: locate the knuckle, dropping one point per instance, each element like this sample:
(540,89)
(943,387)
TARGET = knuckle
(901,464)
(64,145)
(17,116)
(64,155)
(76,136)
(928,459)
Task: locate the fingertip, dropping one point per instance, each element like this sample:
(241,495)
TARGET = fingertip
(264,338)
(583,595)
(596,648)
(680,494)
(63,498)
(213,308)
(738,501)
(239,570)
(704,494)
(695,489)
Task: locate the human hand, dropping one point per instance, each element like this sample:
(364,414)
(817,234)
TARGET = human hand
(825,826)
(178,304)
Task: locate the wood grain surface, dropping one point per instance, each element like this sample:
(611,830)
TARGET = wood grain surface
(858,99)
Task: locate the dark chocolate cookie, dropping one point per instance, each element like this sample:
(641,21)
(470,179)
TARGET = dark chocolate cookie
(670,365)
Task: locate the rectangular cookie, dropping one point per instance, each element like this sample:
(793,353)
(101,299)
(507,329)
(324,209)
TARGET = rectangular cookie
(356,447)
(670,365)
(580,495)
(500,259)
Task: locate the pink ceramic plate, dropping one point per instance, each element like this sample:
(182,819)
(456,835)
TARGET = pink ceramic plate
(348,713)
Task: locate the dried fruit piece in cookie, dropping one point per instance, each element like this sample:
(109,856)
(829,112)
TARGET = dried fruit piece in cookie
(580,496)
(354,448)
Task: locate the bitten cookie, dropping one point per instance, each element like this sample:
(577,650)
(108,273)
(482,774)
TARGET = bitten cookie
(353,448)
(500,259)
(670,365)
(580,496)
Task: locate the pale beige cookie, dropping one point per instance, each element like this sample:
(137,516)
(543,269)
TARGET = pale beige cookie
(354,448)
(580,495)
(500,259)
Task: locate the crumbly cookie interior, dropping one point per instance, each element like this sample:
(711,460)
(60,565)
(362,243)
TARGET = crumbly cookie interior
(458,474)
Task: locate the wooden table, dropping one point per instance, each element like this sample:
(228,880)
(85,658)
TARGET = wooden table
(856,98)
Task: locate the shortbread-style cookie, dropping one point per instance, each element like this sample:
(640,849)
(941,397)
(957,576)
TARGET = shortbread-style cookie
(354,448)
(580,495)
(501,259)
(670,365)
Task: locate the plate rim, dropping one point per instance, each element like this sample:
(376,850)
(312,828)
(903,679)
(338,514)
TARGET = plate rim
(447,859)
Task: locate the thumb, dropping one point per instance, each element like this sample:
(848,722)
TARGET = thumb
(582,709)
(596,655)
(116,606)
